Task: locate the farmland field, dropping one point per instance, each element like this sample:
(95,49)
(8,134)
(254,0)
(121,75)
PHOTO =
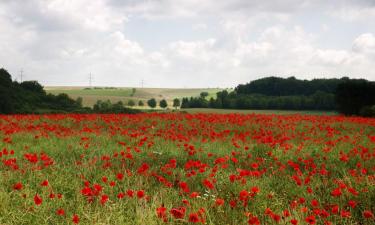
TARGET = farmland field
(176,168)
(90,96)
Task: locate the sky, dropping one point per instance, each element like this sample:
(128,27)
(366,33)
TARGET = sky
(185,43)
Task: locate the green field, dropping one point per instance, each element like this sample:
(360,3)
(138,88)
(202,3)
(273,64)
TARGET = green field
(90,96)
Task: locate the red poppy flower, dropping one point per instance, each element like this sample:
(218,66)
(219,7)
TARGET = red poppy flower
(75,219)
(294,221)
(178,213)
(60,212)
(120,195)
(140,193)
(253,220)
(44,183)
(219,202)
(161,212)
(367,213)
(194,218)
(120,176)
(336,192)
(310,220)
(104,198)
(38,200)
(17,186)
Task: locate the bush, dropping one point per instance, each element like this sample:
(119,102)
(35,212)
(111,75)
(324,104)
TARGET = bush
(131,103)
(151,102)
(163,104)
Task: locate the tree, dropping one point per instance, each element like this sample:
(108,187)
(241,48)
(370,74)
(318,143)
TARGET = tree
(79,101)
(176,103)
(133,92)
(163,104)
(5,78)
(353,95)
(6,91)
(131,103)
(140,103)
(185,103)
(151,102)
(33,86)
(6,104)
(203,94)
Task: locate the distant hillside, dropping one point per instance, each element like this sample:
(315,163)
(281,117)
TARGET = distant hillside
(91,95)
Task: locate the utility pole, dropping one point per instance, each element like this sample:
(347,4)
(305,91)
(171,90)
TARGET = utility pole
(90,79)
(142,83)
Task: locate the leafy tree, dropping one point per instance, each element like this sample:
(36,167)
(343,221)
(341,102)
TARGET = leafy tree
(203,94)
(140,103)
(151,103)
(176,103)
(131,103)
(185,103)
(163,104)
(353,95)
(79,101)
(5,79)
(33,86)
(6,92)
(6,104)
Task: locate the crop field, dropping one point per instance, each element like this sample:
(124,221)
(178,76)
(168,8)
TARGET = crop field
(179,168)
(90,96)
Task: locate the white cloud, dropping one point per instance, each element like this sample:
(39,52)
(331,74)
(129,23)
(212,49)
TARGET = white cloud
(198,50)
(365,43)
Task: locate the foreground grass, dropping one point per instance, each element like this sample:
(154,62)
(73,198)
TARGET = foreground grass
(270,167)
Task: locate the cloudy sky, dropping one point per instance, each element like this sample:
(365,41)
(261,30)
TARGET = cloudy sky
(185,43)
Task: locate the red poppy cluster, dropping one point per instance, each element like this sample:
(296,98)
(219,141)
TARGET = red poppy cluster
(189,168)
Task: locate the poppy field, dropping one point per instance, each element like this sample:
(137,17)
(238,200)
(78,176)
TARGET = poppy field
(176,168)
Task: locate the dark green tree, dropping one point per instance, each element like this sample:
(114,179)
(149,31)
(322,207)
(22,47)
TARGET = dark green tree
(203,94)
(131,103)
(176,103)
(185,103)
(6,92)
(353,95)
(151,103)
(163,104)
(33,86)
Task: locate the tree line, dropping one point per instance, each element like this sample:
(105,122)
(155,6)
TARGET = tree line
(347,96)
